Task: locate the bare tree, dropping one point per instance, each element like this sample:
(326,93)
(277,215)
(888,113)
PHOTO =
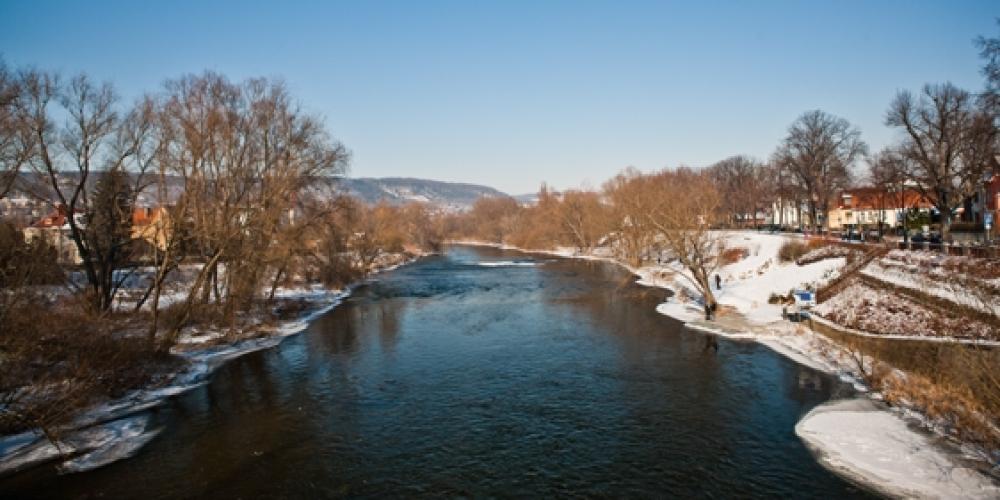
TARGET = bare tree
(779,188)
(819,152)
(243,153)
(741,183)
(989,50)
(16,143)
(583,217)
(682,205)
(495,218)
(881,176)
(629,215)
(948,145)
(95,140)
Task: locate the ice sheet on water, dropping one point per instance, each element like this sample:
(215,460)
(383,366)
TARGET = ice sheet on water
(508,263)
(856,439)
(121,439)
(15,442)
(101,445)
(32,453)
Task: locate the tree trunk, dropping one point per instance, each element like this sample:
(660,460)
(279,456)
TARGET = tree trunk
(199,283)
(274,284)
(945,226)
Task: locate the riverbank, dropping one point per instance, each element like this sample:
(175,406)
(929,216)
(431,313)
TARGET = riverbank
(932,471)
(118,429)
(860,441)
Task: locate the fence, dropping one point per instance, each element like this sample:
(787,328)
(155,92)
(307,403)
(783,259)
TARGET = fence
(960,249)
(967,249)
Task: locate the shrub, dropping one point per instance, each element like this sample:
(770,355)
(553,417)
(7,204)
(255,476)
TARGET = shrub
(826,251)
(57,359)
(792,250)
(954,385)
(733,255)
(26,264)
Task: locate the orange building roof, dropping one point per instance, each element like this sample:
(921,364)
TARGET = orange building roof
(870,198)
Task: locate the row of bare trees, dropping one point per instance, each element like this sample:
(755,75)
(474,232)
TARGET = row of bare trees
(227,162)
(244,152)
(811,165)
(946,150)
(672,214)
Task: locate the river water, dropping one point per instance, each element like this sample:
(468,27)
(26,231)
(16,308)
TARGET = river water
(483,373)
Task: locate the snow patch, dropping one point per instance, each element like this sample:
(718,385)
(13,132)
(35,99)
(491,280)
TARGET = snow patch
(859,441)
(90,447)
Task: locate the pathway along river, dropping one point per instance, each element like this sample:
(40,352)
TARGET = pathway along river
(483,373)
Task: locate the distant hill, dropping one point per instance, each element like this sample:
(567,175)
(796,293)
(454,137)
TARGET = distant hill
(394,190)
(398,190)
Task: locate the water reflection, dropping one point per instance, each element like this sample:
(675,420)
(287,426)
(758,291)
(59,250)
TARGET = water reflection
(449,378)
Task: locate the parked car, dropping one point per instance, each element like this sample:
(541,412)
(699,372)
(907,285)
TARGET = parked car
(803,301)
(932,238)
(851,236)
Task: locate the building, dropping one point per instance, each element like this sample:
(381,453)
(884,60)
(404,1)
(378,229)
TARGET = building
(20,209)
(984,200)
(788,214)
(992,196)
(151,225)
(54,228)
(871,208)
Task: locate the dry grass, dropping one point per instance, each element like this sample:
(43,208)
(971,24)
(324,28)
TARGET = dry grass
(733,255)
(56,359)
(957,386)
(792,250)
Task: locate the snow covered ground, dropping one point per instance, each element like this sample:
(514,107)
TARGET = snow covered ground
(892,315)
(747,284)
(938,284)
(878,449)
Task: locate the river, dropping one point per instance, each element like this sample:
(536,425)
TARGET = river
(483,372)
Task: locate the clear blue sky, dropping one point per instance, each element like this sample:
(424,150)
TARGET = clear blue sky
(511,94)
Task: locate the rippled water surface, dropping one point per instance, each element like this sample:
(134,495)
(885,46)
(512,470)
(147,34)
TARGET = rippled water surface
(529,376)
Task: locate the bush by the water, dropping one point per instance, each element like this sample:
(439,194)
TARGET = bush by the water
(57,358)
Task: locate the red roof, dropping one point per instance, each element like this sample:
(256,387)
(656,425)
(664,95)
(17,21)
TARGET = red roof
(144,216)
(880,199)
(56,218)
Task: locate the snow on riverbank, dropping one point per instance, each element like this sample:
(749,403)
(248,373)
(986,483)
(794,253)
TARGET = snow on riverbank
(747,283)
(878,449)
(118,429)
(93,447)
